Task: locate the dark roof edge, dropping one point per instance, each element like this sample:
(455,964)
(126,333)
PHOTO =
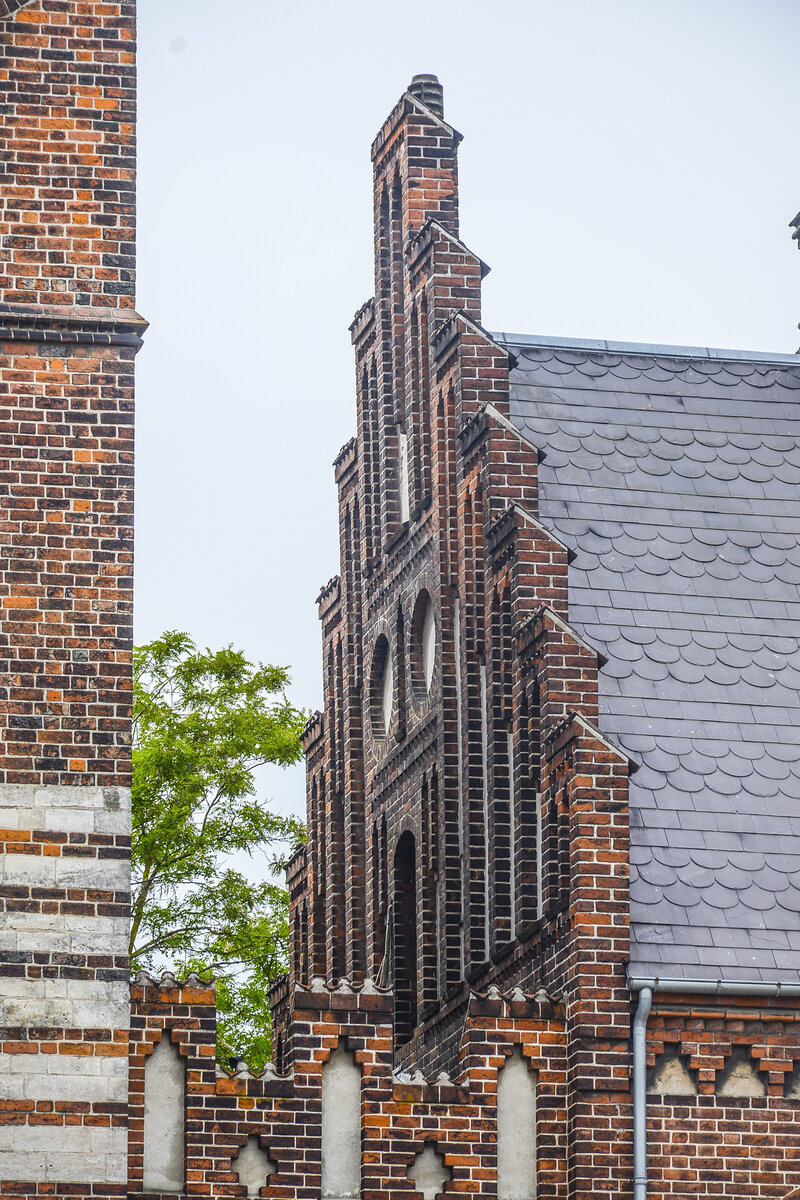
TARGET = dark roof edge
(649,348)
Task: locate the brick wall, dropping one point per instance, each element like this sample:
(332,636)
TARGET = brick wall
(492,780)
(466,819)
(399,1117)
(468,823)
(67,212)
(727,1137)
(68,336)
(734,1128)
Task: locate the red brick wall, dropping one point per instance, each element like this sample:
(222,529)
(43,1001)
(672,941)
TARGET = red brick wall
(68,336)
(398,1118)
(67,211)
(715,1145)
(498,582)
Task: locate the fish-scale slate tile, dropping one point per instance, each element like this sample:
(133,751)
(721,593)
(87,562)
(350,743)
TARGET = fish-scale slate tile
(675,477)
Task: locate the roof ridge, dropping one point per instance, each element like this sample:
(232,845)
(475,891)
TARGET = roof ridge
(649,349)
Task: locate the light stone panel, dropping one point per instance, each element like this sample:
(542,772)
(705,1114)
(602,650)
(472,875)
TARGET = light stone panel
(22,1081)
(36,923)
(84,1154)
(42,870)
(516,1130)
(70,1003)
(164,1119)
(69,809)
(64,1154)
(341,1127)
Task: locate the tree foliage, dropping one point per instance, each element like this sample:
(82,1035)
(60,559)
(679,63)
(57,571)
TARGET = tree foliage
(204,722)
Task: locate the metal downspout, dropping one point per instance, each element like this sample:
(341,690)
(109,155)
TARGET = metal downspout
(640,1094)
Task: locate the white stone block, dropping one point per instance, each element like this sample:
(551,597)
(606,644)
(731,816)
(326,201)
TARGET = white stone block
(106,874)
(38,1012)
(60,922)
(114,994)
(341,1126)
(47,941)
(65,808)
(28,870)
(68,1065)
(101,941)
(96,1089)
(516,1130)
(105,1010)
(164,1102)
(29,1165)
(64,1154)
(43,870)
(112,822)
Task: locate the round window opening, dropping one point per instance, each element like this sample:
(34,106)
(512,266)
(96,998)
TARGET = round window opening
(382,687)
(423,650)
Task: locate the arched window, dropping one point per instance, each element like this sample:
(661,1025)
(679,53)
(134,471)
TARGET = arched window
(404,938)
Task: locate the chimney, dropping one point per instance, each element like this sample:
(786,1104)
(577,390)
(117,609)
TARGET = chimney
(428,89)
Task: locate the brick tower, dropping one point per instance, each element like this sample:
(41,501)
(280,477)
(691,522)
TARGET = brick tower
(68,337)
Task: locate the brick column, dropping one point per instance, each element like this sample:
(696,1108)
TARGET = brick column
(68,337)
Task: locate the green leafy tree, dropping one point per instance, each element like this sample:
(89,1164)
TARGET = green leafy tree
(204,722)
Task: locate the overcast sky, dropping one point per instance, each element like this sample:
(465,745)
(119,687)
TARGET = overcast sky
(628,170)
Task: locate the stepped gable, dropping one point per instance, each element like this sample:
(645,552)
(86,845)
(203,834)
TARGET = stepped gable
(674,475)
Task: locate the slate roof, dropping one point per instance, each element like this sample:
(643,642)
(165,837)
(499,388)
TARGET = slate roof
(674,474)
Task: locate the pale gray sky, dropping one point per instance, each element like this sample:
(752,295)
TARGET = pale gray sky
(628,170)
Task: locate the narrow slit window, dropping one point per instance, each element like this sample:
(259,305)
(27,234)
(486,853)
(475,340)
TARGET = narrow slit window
(402,476)
(539,858)
(485,764)
(512,840)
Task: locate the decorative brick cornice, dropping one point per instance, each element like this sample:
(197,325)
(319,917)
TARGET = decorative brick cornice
(447,332)
(500,533)
(510,427)
(363,320)
(344,997)
(345,460)
(72,325)
(297,862)
(409,105)
(425,238)
(574,726)
(328,593)
(472,432)
(168,981)
(531,631)
(313,730)
(514,1003)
